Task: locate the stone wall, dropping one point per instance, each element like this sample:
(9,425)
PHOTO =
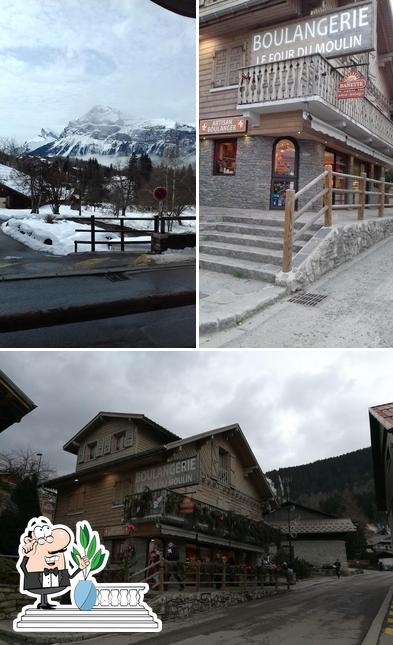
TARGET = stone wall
(11,601)
(171,605)
(335,247)
(320,552)
(250,186)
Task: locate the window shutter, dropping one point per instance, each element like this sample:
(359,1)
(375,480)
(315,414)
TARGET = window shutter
(235,63)
(81,454)
(129,438)
(99,447)
(214,459)
(220,68)
(107,444)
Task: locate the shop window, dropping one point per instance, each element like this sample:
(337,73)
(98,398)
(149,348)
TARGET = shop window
(226,65)
(117,551)
(225,157)
(284,170)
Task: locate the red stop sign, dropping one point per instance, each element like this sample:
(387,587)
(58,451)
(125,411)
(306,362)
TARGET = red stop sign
(160,193)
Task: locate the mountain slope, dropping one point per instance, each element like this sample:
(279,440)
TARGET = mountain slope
(111,136)
(341,485)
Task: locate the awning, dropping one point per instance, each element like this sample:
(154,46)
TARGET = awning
(173,531)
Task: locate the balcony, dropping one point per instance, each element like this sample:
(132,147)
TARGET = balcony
(310,84)
(181,510)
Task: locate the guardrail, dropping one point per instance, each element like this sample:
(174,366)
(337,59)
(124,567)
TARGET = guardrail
(381,195)
(161,224)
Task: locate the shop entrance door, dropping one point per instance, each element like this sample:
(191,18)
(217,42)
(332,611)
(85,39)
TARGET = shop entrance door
(284,171)
(339,163)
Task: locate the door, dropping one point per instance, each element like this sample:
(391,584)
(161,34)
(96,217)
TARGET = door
(284,171)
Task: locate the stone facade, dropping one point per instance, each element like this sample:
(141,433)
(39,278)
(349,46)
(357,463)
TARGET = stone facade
(250,186)
(321,552)
(11,601)
(333,247)
(172,605)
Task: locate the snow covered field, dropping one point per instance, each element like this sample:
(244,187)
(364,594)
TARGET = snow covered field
(58,237)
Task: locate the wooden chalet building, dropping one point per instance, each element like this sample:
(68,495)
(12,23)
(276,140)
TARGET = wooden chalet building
(272,113)
(14,404)
(316,537)
(13,190)
(381,429)
(205,493)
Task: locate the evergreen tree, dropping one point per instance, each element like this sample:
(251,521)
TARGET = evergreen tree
(22,505)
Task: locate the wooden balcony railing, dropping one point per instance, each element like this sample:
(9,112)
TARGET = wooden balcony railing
(313,78)
(378,191)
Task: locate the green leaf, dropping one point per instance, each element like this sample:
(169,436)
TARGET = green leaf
(92,548)
(97,561)
(75,555)
(84,536)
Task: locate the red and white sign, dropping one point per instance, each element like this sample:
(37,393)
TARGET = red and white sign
(353,85)
(223,125)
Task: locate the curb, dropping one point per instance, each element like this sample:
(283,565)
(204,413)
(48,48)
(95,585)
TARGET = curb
(373,635)
(82,313)
(92,272)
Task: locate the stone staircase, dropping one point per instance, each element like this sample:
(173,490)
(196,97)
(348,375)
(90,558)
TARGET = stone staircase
(246,245)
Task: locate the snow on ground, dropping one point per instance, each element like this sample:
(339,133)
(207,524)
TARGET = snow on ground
(58,238)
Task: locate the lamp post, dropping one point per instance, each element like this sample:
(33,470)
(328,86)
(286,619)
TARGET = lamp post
(39,455)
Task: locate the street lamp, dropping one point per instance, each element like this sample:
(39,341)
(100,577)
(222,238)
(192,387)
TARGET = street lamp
(39,455)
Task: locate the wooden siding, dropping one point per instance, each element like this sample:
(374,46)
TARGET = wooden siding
(140,437)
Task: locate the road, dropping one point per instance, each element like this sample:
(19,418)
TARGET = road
(355,313)
(174,328)
(336,611)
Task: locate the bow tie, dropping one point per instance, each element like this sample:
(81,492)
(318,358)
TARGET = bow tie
(47,572)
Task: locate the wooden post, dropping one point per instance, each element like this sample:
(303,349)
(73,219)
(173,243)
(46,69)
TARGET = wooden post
(288,230)
(156,223)
(362,195)
(162,572)
(329,196)
(162,225)
(75,246)
(381,205)
(93,233)
(198,576)
(224,575)
(121,234)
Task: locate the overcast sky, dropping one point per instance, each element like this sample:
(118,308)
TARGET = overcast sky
(295,406)
(59,59)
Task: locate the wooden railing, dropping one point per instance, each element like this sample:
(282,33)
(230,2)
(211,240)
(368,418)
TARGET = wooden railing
(314,78)
(380,194)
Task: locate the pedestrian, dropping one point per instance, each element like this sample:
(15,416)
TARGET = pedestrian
(380,565)
(337,567)
(172,566)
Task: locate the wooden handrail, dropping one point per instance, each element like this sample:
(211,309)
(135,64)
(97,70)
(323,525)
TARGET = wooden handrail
(291,215)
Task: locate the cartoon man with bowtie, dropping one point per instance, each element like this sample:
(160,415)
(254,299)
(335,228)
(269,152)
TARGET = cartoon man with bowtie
(42,562)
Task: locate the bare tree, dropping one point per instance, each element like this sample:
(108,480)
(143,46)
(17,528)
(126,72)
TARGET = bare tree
(31,180)
(56,183)
(122,189)
(9,150)
(23,463)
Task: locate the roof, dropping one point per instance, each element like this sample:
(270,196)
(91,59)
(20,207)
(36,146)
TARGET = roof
(185,8)
(73,444)
(14,404)
(227,8)
(13,179)
(317,526)
(380,425)
(384,414)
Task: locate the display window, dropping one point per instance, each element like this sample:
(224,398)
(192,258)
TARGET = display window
(284,171)
(225,157)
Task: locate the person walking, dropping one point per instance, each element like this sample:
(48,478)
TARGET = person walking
(172,566)
(337,567)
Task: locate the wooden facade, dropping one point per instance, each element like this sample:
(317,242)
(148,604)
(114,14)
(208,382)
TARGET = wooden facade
(114,451)
(10,198)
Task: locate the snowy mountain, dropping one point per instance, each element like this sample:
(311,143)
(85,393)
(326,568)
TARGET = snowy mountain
(43,138)
(111,136)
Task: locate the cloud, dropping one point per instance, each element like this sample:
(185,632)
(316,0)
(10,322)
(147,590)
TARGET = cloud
(295,406)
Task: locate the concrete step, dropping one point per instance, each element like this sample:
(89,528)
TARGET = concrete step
(269,230)
(238,267)
(236,250)
(242,240)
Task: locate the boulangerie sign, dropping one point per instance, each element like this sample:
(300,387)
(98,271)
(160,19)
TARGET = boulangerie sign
(349,30)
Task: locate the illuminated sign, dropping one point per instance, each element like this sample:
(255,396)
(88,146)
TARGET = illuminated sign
(224,125)
(349,30)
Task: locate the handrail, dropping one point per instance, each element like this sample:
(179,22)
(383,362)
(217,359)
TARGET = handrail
(327,192)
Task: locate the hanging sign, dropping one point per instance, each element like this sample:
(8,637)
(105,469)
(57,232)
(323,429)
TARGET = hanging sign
(349,30)
(223,125)
(353,85)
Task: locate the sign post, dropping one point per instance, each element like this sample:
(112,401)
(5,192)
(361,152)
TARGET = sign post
(160,194)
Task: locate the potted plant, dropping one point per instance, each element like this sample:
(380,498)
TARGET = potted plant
(88,543)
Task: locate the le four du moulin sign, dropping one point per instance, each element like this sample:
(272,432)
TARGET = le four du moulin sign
(227,125)
(184,472)
(347,31)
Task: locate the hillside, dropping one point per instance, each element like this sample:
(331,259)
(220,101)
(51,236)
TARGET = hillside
(341,485)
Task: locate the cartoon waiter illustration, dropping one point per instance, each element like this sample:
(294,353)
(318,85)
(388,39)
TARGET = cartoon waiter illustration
(42,561)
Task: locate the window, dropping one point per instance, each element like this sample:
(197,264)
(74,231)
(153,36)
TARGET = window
(224,472)
(284,170)
(120,490)
(284,158)
(225,157)
(91,450)
(226,65)
(77,501)
(117,551)
(119,440)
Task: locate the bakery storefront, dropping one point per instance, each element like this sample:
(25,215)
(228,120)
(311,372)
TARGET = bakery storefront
(279,102)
